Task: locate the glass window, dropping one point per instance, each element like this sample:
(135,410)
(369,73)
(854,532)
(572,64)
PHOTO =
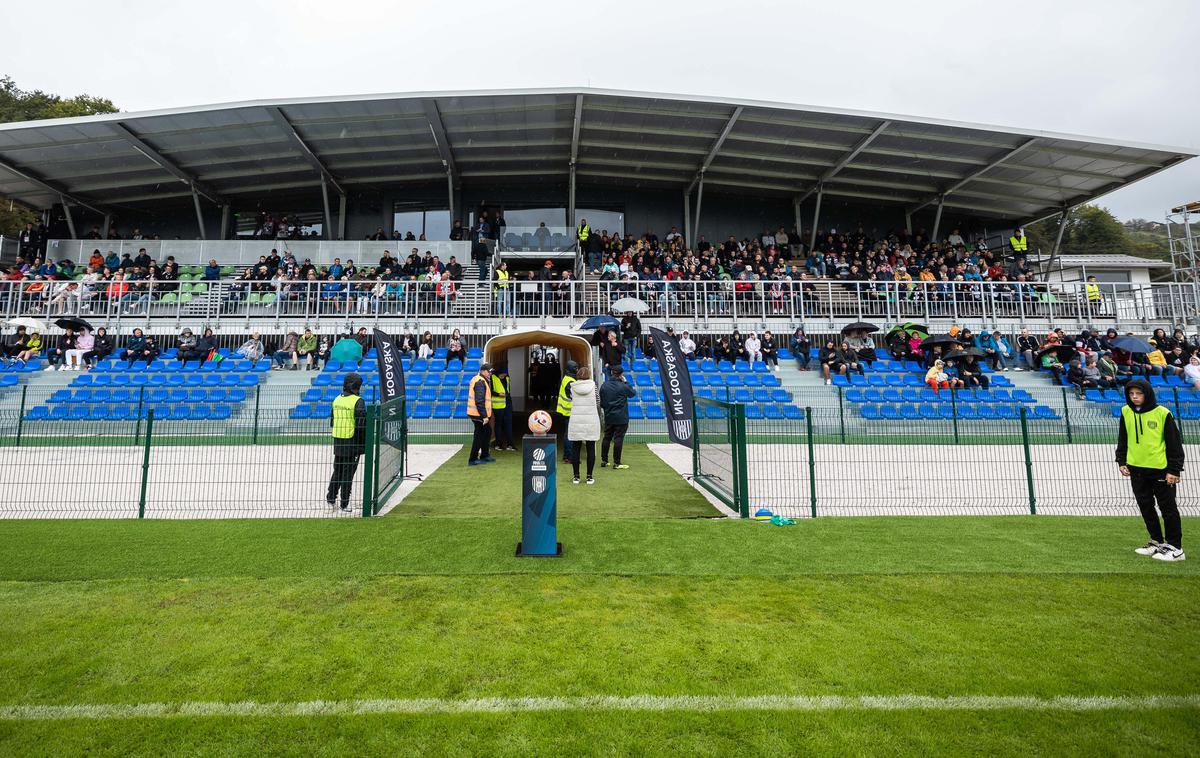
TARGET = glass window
(437,225)
(533,217)
(408,221)
(611,221)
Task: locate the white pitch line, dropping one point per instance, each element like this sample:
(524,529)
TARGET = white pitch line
(645,703)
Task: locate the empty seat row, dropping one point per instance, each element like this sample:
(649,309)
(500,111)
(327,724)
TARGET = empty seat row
(9,380)
(966,411)
(16,367)
(159,365)
(179,412)
(156,395)
(167,380)
(913,395)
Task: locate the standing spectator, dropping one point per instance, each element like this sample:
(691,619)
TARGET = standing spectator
(288,349)
(631,330)
(456,350)
(562,408)
(102,347)
(1150,452)
(479,411)
(801,348)
(687,346)
(614,400)
(348,426)
(585,422)
(502,409)
(612,353)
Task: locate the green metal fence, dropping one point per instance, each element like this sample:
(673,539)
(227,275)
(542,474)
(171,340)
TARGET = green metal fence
(833,462)
(719,452)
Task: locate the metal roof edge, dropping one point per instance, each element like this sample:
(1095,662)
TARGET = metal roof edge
(586,91)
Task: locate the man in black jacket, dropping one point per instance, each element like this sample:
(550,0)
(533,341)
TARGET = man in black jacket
(348,425)
(614,403)
(631,329)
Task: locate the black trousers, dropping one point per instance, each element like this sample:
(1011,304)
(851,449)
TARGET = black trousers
(1150,487)
(615,434)
(479,441)
(561,425)
(503,422)
(345,464)
(576,448)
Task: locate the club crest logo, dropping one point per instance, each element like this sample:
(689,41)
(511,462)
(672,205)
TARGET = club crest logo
(539,484)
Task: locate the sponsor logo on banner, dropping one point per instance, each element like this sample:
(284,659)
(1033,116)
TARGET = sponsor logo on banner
(539,484)
(677,387)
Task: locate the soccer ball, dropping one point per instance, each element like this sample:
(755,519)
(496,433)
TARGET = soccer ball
(539,422)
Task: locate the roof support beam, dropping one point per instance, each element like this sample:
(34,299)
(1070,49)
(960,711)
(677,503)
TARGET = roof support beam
(812,237)
(48,186)
(975,174)
(283,123)
(712,153)
(844,161)
(574,159)
(199,213)
(70,219)
(156,157)
(438,130)
(937,218)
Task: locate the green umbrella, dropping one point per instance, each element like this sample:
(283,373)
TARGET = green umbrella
(916,330)
(345,350)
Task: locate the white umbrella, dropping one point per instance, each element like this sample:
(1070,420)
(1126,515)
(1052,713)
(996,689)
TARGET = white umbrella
(630,304)
(30,323)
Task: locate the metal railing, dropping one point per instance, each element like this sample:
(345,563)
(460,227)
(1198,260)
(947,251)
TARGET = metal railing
(246,252)
(816,303)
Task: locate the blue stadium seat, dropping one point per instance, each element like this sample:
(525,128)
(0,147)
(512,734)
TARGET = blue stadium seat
(428,395)
(876,380)
(793,412)
(968,411)
(752,380)
(211,380)
(911,395)
(892,395)
(1007,411)
(122,413)
(781,396)
(893,380)
(121,395)
(1044,412)
(178,413)
(199,413)
(858,380)
(301,412)
(928,411)
(762,396)
(635,412)
(909,412)
(58,412)
(871,412)
(873,395)
(77,412)
(1022,396)
(889,412)
(986,412)
(98,413)
(248,380)
(446,395)
(707,365)
(1112,396)
(771,380)
(841,381)
(156,396)
(312,395)
(706,392)
(654,412)
(65,396)
(699,380)
(157,380)
(37,413)
(772,412)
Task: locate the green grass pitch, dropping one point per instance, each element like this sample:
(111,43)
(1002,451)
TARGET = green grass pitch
(660,632)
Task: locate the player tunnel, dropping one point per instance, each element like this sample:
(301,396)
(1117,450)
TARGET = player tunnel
(517,349)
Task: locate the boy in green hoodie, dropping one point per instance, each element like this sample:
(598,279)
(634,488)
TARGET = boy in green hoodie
(1150,453)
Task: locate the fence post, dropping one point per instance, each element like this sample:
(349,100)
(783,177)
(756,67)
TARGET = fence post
(1028,462)
(257,399)
(137,424)
(21,415)
(841,416)
(1067,415)
(1176,413)
(368,461)
(954,412)
(743,484)
(812,464)
(145,464)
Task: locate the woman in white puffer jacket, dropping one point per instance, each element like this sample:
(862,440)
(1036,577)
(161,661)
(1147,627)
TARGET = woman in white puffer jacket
(585,422)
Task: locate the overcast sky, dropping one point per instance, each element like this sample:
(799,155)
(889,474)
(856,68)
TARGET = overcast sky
(1104,68)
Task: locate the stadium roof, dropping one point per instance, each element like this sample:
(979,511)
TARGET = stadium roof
(243,151)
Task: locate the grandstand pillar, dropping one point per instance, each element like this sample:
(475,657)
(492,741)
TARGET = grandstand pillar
(812,237)
(937,219)
(199,213)
(688,239)
(1062,224)
(70,218)
(450,191)
(328,224)
(796,213)
(908,222)
(226,212)
(571,197)
(341,217)
(107,225)
(699,198)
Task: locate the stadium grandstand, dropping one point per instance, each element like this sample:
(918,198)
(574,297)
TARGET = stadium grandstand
(447,217)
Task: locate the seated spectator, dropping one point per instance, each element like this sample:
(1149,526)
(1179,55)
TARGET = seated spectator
(863,347)
(322,352)
(770,353)
(212,272)
(850,359)
(801,349)
(134,347)
(1027,346)
(938,378)
(287,350)
(897,343)
(32,349)
(14,344)
(306,348)
(1111,371)
(84,342)
(752,348)
(102,347)
(425,345)
(207,345)
(1155,363)
(455,349)
(687,346)
(831,362)
(406,345)
(56,356)
(971,373)
(1091,372)
(1191,372)
(253,348)
(1077,378)
(186,348)
(1051,363)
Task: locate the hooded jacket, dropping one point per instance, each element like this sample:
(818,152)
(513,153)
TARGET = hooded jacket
(585,412)
(1148,435)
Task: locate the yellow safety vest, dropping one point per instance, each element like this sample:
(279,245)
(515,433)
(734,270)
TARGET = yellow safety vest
(501,279)
(564,396)
(1019,245)
(499,392)
(1145,445)
(1093,292)
(584,232)
(343,416)
(472,409)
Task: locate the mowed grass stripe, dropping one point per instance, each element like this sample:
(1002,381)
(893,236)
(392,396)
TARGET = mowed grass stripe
(637,703)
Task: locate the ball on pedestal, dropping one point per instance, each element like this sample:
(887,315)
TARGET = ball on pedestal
(539,422)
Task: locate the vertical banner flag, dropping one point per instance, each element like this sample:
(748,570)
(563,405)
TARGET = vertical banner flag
(391,388)
(676,387)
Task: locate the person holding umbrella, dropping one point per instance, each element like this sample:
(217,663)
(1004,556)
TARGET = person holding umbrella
(858,341)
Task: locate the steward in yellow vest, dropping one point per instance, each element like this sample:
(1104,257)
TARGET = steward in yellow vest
(503,409)
(1093,290)
(1019,242)
(1150,453)
(583,232)
(563,407)
(479,410)
(348,426)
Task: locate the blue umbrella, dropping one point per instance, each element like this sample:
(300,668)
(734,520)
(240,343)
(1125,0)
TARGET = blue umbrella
(1131,344)
(595,322)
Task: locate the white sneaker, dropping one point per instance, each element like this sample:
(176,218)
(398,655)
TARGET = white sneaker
(1169,553)
(591,480)
(575,480)
(48,368)
(828,382)
(1150,548)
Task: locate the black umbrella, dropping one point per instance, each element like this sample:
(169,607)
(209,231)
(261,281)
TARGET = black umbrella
(970,351)
(71,322)
(1064,353)
(1131,344)
(938,339)
(860,326)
